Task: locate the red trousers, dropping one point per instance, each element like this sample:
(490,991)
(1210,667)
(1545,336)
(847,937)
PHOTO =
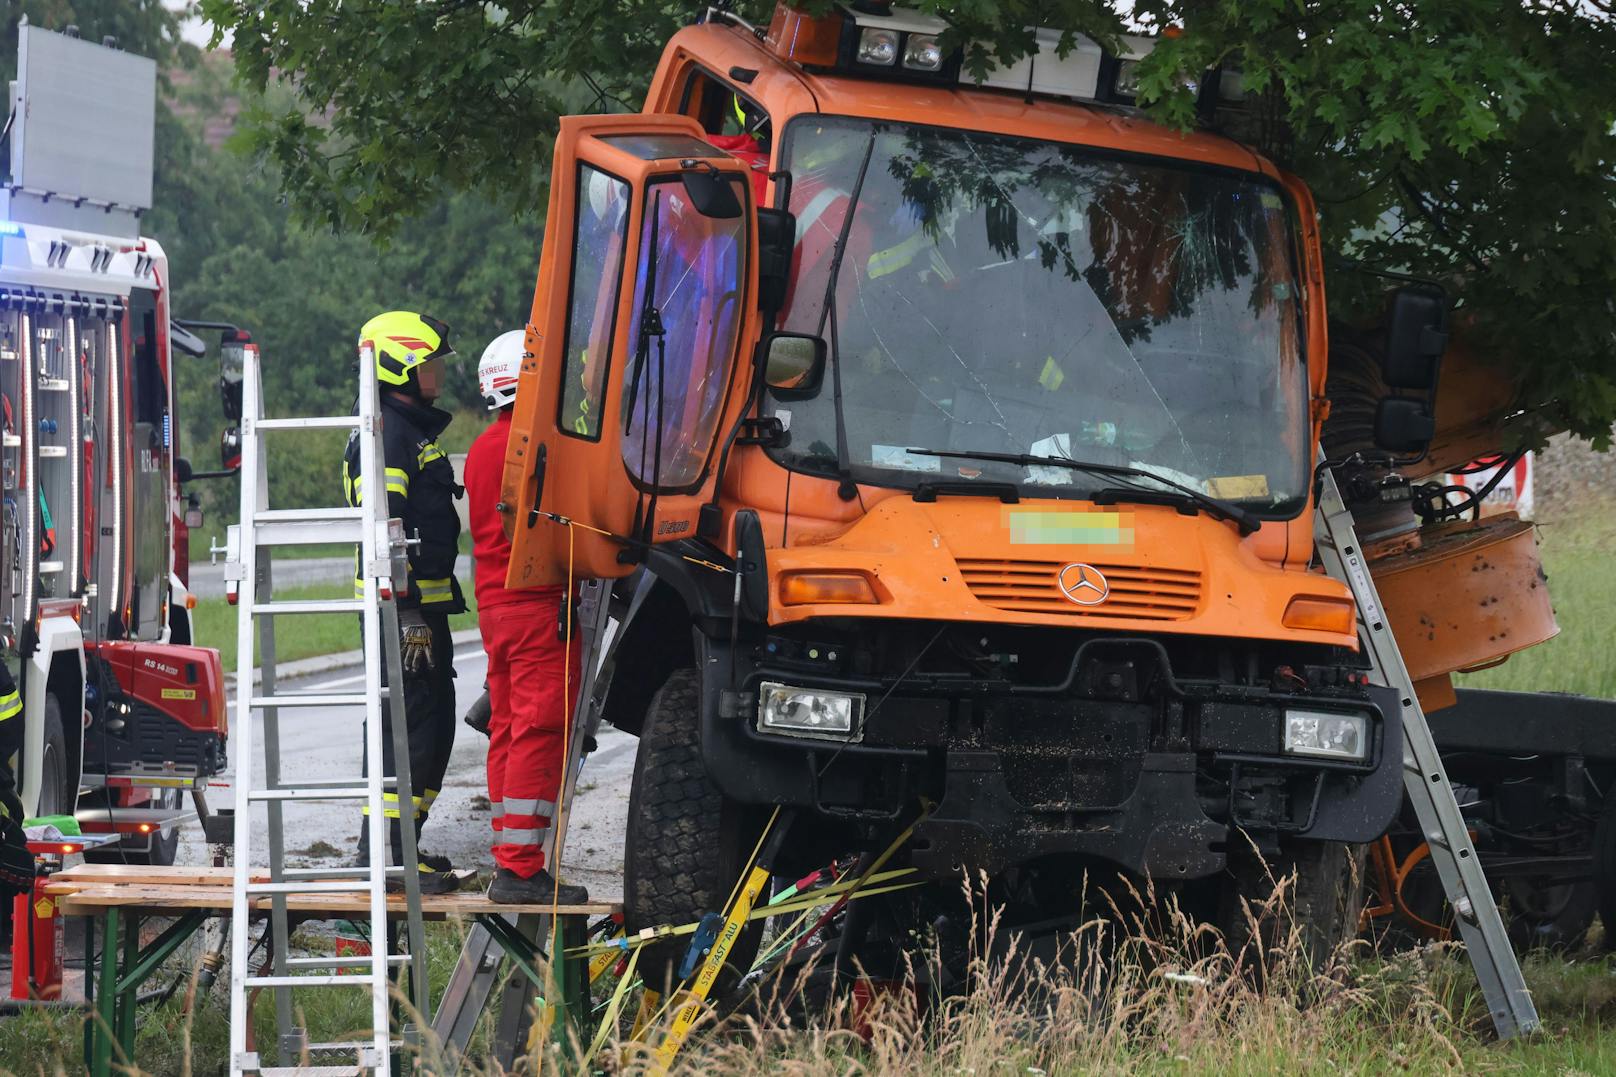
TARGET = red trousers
(532,711)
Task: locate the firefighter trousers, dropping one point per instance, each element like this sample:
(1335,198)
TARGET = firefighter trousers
(430,716)
(531,692)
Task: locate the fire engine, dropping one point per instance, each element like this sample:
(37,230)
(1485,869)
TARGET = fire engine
(124,715)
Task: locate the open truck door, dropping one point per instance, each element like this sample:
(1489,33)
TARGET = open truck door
(632,374)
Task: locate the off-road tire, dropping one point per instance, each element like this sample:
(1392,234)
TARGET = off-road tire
(686,842)
(1322,906)
(57,790)
(1561,927)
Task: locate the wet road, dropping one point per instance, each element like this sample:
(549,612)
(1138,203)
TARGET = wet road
(324,743)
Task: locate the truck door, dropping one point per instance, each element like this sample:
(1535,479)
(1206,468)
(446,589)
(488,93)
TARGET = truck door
(149,436)
(646,289)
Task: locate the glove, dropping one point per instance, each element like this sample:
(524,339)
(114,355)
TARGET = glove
(16,862)
(416,642)
(481,713)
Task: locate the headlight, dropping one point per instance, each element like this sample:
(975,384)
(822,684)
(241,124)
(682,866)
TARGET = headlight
(1327,735)
(878,46)
(922,53)
(810,712)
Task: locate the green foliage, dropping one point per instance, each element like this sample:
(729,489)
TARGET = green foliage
(1465,140)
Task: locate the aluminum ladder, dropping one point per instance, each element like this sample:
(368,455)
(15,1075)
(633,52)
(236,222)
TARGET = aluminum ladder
(1425,780)
(256,727)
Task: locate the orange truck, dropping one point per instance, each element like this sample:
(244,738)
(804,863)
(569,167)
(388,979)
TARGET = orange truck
(954,445)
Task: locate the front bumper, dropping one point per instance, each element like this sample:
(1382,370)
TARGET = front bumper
(1158,787)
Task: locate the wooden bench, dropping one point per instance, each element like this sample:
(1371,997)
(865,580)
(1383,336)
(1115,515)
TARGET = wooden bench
(124,895)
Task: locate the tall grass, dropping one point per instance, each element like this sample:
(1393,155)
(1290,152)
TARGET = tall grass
(1578,549)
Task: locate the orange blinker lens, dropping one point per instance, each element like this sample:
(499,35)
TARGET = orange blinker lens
(814,588)
(802,38)
(1315,613)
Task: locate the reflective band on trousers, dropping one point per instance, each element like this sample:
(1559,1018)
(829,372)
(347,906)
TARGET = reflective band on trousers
(393,812)
(10,705)
(524,806)
(435,590)
(526,836)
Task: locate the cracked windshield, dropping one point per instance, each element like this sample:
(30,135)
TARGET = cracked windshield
(1011,296)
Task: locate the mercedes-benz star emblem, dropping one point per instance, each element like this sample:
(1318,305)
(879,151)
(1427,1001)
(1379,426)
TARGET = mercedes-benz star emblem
(1083,584)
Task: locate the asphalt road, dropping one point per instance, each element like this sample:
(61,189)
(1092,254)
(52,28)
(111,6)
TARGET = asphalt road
(324,743)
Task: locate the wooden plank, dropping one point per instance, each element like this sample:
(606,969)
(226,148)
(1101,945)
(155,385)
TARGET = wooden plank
(89,900)
(145,873)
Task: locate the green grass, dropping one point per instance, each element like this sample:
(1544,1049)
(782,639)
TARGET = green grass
(213,624)
(1577,555)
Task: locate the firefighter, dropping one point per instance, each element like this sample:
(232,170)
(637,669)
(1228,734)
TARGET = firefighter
(410,351)
(16,862)
(533,671)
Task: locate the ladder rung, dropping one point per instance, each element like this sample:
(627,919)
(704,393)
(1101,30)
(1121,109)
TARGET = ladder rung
(319,605)
(350,872)
(355,980)
(311,792)
(347,887)
(312,699)
(310,422)
(340,963)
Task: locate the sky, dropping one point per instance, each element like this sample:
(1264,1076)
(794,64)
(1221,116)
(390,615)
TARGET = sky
(197,30)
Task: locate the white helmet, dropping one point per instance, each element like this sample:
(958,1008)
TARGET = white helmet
(498,368)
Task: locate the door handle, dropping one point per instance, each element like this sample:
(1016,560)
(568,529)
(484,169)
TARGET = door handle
(540,457)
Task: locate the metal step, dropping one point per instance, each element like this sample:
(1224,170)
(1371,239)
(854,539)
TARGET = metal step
(320,605)
(340,963)
(313,422)
(307,527)
(356,980)
(179,778)
(312,699)
(303,792)
(358,874)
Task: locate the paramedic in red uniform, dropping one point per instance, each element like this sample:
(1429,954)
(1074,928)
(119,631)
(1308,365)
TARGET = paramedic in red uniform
(522,634)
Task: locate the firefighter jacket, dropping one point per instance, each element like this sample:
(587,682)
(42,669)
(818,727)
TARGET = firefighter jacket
(421,491)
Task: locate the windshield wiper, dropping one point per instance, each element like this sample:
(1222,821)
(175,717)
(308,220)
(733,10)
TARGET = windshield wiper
(844,459)
(1223,510)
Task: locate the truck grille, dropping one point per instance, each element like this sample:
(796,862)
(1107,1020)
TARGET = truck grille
(1150,594)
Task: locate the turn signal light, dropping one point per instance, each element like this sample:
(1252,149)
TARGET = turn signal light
(814,588)
(1316,613)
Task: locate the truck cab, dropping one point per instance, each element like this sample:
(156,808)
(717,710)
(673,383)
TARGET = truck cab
(955,440)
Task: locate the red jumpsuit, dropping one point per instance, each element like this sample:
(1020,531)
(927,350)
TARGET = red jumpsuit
(530,716)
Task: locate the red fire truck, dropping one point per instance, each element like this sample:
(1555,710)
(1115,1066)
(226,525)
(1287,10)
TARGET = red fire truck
(125,717)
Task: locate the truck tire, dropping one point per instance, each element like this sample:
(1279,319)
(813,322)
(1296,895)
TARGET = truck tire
(1322,906)
(686,842)
(57,791)
(1554,918)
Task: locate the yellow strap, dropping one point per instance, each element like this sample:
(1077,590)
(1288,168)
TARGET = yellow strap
(608,1020)
(691,1007)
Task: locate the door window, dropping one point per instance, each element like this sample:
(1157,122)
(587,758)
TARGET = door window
(597,270)
(680,365)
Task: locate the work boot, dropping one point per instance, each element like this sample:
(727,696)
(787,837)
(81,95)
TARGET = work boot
(433,880)
(509,888)
(436,862)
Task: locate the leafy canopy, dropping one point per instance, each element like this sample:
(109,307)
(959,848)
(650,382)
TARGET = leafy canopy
(1467,140)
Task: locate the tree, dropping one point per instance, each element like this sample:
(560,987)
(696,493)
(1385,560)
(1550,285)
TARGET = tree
(1465,140)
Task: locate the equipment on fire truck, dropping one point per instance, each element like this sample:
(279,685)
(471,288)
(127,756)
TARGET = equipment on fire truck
(248,575)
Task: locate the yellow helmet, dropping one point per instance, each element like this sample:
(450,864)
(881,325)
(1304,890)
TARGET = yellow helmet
(403,341)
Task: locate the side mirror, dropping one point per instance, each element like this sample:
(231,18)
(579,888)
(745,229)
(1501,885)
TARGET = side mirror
(777,236)
(1416,337)
(793,364)
(232,361)
(230,449)
(1404,426)
(182,470)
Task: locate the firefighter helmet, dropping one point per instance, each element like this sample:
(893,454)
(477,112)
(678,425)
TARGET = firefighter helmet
(403,341)
(497,370)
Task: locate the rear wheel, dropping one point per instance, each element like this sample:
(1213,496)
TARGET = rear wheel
(686,842)
(1605,869)
(1319,911)
(57,792)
